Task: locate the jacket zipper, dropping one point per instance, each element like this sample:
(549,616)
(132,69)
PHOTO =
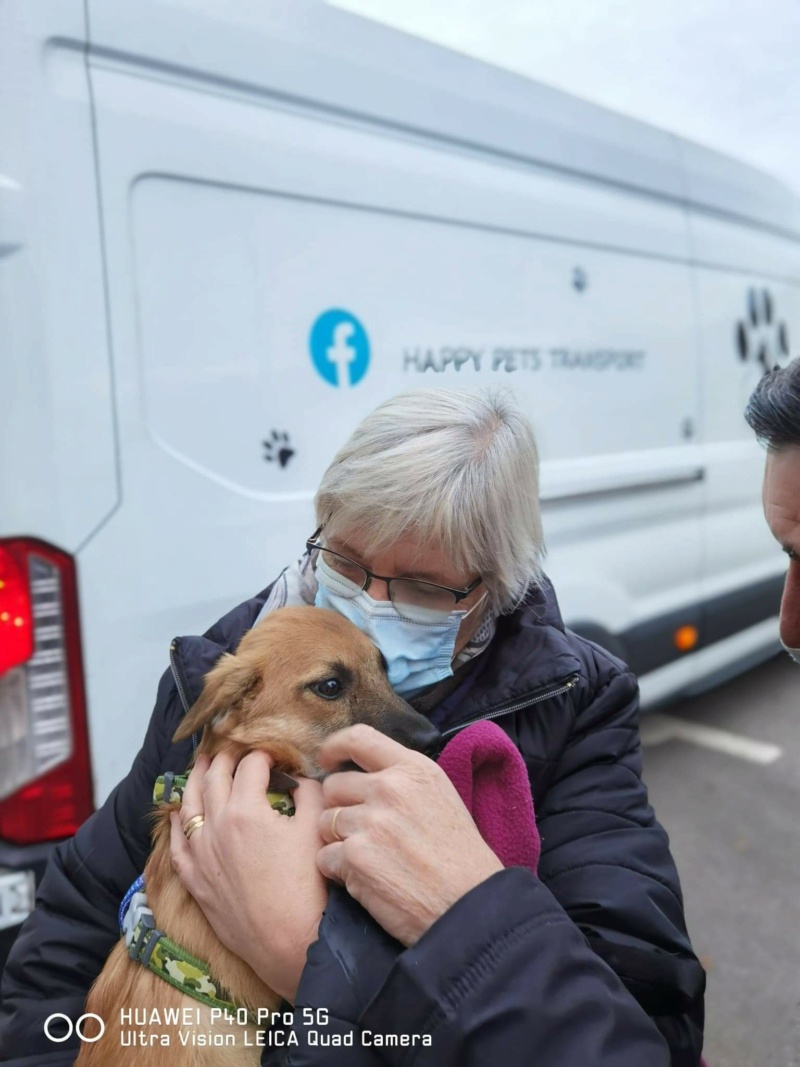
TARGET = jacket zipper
(174,668)
(536,697)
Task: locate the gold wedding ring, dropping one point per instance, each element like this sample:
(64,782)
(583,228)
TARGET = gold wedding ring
(193,824)
(334,832)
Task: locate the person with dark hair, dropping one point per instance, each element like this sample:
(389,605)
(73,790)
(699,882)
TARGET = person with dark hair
(773,411)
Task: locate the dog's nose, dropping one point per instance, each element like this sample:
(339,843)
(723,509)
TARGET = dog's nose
(431,741)
(422,736)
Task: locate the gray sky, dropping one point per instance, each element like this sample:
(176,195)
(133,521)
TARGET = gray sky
(725,73)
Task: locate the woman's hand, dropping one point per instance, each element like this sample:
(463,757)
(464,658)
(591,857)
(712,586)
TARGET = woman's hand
(410,848)
(252,870)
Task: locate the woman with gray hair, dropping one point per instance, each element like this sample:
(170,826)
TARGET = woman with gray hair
(429,539)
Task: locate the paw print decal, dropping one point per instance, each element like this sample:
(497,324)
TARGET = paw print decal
(760,336)
(580,279)
(277,448)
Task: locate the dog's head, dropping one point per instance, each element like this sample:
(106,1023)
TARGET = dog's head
(296,678)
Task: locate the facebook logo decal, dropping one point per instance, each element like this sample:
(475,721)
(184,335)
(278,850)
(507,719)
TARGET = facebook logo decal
(339,348)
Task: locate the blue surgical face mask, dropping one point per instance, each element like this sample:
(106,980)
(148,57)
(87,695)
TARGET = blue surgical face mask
(418,653)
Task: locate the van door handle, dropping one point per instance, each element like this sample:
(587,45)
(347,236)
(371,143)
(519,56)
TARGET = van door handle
(11,219)
(634,481)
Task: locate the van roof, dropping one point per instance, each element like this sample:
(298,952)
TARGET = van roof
(310,52)
(429,88)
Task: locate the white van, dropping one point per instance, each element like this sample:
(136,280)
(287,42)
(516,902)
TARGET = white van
(228,229)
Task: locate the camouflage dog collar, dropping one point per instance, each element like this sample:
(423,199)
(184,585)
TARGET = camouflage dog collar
(150,946)
(169,789)
(154,950)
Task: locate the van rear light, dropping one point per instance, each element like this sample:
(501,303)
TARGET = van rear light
(16,621)
(45,773)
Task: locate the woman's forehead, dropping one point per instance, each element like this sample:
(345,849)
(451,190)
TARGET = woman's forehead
(405,555)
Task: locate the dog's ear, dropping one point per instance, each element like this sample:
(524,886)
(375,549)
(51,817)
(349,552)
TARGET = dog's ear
(226,686)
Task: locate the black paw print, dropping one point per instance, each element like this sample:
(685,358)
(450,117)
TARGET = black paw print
(580,279)
(278,447)
(760,337)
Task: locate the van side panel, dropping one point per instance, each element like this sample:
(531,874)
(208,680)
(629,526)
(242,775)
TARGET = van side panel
(748,293)
(729,189)
(306,52)
(276,270)
(57,443)
(747,289)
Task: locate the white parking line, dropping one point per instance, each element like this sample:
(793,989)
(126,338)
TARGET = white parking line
(656,729)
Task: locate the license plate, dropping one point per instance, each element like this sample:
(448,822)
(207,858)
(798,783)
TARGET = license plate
(17,890)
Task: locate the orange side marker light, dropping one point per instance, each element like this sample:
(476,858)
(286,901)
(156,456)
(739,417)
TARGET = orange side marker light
(685,638)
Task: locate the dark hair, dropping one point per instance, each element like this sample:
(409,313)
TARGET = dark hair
(773,409)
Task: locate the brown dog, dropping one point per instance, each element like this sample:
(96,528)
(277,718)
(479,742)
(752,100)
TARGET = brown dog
(296,678)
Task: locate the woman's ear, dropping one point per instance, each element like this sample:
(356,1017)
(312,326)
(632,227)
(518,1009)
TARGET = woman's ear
(225,687)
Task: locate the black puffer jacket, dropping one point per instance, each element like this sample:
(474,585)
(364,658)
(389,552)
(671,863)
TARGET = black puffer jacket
(560,969)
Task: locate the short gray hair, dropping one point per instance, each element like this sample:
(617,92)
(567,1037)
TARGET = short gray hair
(773,410)
(455,468)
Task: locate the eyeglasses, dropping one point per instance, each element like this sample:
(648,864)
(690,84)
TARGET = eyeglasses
(413,598)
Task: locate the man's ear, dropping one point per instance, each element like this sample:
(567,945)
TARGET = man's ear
(226,685)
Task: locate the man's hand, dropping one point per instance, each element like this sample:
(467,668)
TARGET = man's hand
(252,870)
(410,848)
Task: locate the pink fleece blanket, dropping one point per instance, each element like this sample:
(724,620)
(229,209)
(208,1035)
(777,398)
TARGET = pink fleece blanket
(491,778)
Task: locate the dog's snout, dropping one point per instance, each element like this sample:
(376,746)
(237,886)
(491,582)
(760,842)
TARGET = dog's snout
(415,731)
(429,740)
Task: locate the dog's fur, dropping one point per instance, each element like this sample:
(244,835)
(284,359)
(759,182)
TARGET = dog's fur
(261,698)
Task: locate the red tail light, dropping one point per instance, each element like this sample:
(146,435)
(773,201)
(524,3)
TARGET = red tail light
(16,612)
(45,773)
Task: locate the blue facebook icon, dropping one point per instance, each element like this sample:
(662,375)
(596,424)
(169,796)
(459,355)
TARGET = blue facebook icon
(339,348)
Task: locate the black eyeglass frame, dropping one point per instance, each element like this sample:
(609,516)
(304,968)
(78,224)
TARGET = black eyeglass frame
(458,594)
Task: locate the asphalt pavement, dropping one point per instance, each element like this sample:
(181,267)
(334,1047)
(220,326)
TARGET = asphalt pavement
(723,772)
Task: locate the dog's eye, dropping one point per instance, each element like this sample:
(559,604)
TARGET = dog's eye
(330,689)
